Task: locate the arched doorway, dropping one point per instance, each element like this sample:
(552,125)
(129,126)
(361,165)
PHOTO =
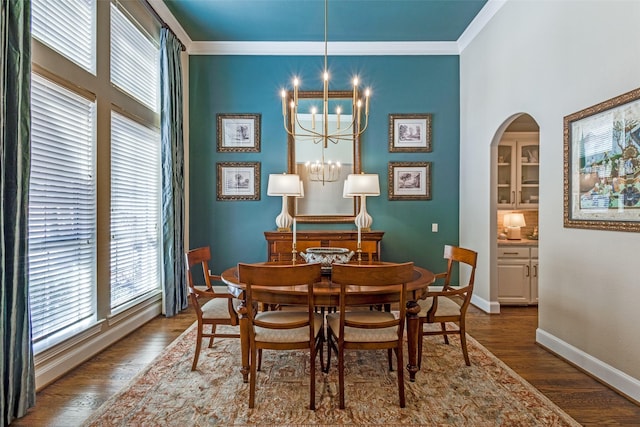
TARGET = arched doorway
(515,201)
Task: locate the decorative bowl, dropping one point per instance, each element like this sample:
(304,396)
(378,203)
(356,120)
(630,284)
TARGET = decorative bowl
(327,256)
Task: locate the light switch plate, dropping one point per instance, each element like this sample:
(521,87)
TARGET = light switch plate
(434,227)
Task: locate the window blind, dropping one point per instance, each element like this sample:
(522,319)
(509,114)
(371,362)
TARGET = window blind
(68,27)
(135,210)
(62,209)
(134,60)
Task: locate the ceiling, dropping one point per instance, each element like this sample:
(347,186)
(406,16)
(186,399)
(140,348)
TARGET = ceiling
(303,20)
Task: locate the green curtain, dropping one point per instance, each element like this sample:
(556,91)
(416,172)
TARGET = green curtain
(18,373)
(175,288)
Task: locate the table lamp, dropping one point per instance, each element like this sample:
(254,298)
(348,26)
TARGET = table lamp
(512,224)
(363,185)
(284,185)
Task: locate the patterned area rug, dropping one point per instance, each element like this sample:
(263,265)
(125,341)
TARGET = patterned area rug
(446,391)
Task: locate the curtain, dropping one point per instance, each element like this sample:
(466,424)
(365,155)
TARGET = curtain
(18,373)
(175,288)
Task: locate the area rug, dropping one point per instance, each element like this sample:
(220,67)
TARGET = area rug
(446,391)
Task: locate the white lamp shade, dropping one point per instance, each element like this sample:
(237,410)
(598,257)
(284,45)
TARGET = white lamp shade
(363,184)
(284,185)
(514,220)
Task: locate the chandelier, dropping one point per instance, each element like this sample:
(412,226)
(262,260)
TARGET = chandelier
(298,128)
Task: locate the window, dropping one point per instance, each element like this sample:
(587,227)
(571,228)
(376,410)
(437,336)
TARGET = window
(94,238)
(50,24)
(135,210)
(133,57)
(62,209)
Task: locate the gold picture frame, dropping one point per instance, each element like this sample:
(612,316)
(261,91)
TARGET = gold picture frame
(238,181)
(602,165)
(410,133)
(238,132)
(409,180)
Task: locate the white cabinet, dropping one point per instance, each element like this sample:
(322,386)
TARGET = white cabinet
(518,170)
(518,275)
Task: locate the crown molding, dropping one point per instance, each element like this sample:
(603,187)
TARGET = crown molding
(334,48)
(479,22)
(317,48)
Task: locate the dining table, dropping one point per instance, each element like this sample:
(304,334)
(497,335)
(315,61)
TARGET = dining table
(327,294)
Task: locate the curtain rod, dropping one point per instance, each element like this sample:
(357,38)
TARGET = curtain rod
(161,21)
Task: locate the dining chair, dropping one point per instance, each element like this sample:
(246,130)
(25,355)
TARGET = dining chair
(366,329)
(449,304)
(285,329)
(220,307)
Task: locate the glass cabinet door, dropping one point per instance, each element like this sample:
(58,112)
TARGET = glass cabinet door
(505,176)
(518,172)
(528,175)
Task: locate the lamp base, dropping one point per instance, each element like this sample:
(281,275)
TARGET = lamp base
(284,229)
(365,229)
(513,233)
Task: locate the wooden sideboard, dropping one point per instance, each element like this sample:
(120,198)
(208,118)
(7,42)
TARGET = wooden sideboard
(279,242)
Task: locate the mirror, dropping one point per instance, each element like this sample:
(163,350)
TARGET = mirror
(323,169)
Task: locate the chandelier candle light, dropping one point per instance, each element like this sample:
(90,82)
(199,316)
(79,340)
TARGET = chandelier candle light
(285,185)
(296,129)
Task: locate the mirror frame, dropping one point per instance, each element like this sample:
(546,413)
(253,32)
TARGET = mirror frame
(291,161)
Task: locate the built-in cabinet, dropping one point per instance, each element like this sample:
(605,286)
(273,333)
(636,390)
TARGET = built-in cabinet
(518,275)
(518,171)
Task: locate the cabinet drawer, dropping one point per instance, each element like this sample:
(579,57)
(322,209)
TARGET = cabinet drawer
(517,252)
(534,252)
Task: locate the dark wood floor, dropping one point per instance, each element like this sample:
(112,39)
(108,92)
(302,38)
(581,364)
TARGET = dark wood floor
(510,336)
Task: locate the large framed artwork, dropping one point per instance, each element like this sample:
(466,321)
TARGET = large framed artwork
(238,181)
(602,165)
(238,132)
(409,180)
(410,133)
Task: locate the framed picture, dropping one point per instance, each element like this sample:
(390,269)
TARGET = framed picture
(410,132)
(238,132)
(602,165)
(409,180)
(238,181)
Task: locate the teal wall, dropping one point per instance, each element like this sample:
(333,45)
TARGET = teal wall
(251,84)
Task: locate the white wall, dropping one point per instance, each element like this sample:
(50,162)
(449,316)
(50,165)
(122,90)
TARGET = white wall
(550,59)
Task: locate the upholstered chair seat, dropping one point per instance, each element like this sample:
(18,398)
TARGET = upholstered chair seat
(364,335)
(286,335)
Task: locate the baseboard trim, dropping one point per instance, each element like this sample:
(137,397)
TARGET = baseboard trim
(614,378)
(484,305)
(51,368)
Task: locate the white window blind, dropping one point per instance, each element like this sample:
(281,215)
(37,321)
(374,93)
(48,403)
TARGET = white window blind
(134,60)
(68,27)
(62,209)
(135,210)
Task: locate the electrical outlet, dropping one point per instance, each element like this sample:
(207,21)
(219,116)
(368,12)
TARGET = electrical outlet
(434,227)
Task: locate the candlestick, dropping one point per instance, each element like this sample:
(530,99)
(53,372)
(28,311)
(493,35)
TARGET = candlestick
(359,247)
(293,245)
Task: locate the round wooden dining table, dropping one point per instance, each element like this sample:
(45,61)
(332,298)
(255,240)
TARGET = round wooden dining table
(327,295)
